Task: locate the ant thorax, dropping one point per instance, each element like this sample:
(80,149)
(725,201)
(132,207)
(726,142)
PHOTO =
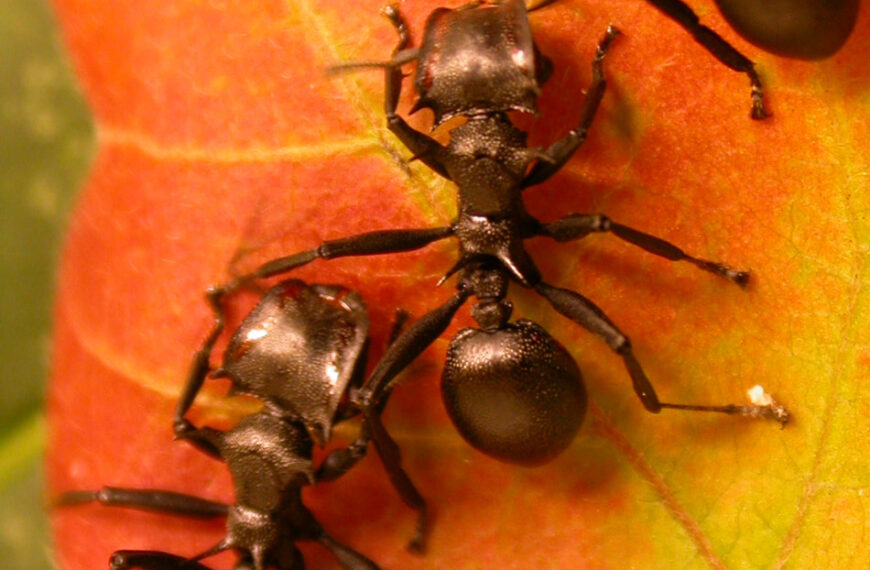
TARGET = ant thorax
(487,158)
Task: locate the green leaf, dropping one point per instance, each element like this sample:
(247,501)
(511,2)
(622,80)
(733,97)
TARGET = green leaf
(44,150)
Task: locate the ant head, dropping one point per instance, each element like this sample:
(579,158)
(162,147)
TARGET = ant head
(298,349)
(479,59)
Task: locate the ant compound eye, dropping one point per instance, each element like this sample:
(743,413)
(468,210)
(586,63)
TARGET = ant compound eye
(515,393)
(802,29)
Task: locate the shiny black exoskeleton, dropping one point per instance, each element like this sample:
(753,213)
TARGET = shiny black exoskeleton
(801,29)
(299,351)
(511,390)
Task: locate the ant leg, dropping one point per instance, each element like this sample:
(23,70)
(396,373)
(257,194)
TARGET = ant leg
(288,557)
(559,152)
(152,501)
(147,500)
(391,457)
(400,317)
(206,439)
(340,461)
(394,76)
(371,243)
(585,313)
(577,226)
(682,14)
(151,560)
(348,557)
(372,398)
(423,147)
(200,368)
(405,349)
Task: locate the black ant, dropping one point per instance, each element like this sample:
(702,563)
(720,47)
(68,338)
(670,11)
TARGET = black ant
(511,390)
(299,351)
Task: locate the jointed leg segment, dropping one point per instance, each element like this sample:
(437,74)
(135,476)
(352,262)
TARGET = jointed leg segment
(577,226)
(560,151)
(585,313)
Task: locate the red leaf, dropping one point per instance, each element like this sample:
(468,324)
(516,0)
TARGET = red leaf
(218,131)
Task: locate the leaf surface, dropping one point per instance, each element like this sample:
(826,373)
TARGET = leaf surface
(220,133)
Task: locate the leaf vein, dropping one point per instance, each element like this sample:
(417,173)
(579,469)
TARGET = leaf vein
(640,464)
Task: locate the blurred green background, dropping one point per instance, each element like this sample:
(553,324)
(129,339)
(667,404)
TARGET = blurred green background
(46,144)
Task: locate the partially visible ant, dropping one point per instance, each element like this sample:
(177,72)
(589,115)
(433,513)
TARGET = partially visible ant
(299,351)
(799,29)
(682,14)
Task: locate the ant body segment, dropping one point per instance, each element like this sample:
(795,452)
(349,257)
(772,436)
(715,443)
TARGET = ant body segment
(799,29)
(512,391)
(299,351)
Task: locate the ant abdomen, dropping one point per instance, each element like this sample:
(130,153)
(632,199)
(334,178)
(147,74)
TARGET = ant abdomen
(513,393)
